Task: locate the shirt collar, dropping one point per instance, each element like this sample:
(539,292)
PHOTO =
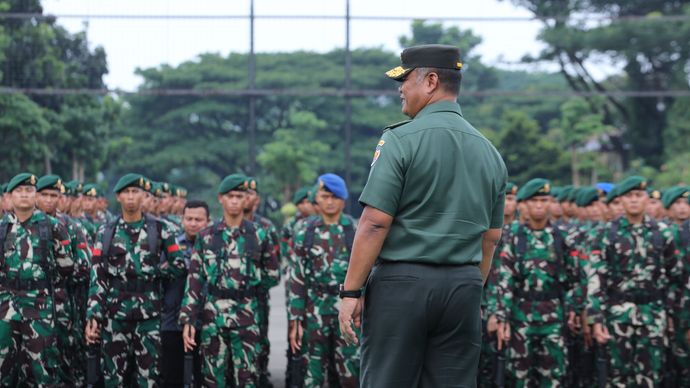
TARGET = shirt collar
(439,106)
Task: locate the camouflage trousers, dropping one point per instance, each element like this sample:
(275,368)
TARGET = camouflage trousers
(229,355)
(681,359)
(537,355)
(264,343)
(636,352)
(27,353)
(327,351)
(64,333)
(130,352)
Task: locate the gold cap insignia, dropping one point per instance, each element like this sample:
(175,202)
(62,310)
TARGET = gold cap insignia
(33,179)
(141,182)
(321,184)
(643,185)
(656,194)
(92,192)
(396,72)
(252,185)
(458,65)
(147,186)
(62,189)
(58,183)
(686,194)
(514,190)
(245,185)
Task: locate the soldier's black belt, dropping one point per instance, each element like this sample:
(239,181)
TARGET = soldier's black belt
(25,285)
(637,298)
(138,286)
(539,296)
(232,293)
(324,288)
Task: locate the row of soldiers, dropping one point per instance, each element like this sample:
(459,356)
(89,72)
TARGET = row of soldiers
(589,286)
(139,291)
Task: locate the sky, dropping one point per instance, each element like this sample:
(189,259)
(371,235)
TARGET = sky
(132,43)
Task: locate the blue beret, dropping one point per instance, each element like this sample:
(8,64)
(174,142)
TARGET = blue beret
(334,184)
(604,186)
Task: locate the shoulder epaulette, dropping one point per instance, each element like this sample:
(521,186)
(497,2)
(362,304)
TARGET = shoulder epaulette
(396,125)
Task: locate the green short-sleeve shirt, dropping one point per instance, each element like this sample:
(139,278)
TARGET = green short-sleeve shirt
(444,184)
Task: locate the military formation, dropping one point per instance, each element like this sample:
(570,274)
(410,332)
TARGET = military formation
(589,287)
(163,294)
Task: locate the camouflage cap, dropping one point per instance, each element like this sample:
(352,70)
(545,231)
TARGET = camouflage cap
(130,180)
(300,195)
(672,194)
(586,196)
(23,179)
(50,182)
(634,182)
(438,56)
(233,182)
(533,188)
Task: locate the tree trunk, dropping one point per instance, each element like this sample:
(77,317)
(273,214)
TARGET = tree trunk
(48,166)
(575,175)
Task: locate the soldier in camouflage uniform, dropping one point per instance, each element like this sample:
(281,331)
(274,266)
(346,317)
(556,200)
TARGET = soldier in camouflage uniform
(537,293)
(487,358)
(304,210)
(655,207)
(321,256)
(251,206)
(231,263)
(89,202)
(34,255)
(125,297)
(675,200)
(70,301)
(633,289)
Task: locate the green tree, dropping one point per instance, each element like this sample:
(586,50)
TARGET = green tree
(291,159)
(652,51)
(23,128)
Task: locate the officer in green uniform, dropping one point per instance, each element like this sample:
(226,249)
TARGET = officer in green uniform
(433,214)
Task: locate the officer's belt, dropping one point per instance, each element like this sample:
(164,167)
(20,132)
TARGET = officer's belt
(617,297)
(25,285)
(138,286)
(324,288)
(538,296)
(232,293)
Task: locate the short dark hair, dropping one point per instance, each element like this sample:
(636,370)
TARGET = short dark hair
(448,78)
(195,204)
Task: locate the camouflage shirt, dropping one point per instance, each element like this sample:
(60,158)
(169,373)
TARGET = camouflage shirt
(318,269)
(228,266)
(21,262)
(130,259)
(632,264)
(537,285)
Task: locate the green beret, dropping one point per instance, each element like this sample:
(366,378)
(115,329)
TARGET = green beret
(312,193)
(634,182)
(2,187)
(300,195)
(233,182)
(586,196)
(612,194)
(165,187)
(511,188)
(672,194)
(565,193)
(533,188)
(654,193)
(253,184)
(76,186)
(130,180)
(556,191)
(91,190)
(438,56)
(23,179)
(50,182)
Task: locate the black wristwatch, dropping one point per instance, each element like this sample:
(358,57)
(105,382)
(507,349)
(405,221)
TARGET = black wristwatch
(342,293)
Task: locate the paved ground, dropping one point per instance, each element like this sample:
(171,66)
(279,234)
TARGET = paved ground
(277,333)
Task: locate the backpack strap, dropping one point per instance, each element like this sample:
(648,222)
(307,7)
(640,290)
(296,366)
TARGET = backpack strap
(108,234)
(4,230)
(610,262)
(349,230)
(308,243)
(251,245)
(684,234)
(45,236)
(153,237)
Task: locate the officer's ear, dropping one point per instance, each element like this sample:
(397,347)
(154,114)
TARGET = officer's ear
(220,197)
(431,82)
